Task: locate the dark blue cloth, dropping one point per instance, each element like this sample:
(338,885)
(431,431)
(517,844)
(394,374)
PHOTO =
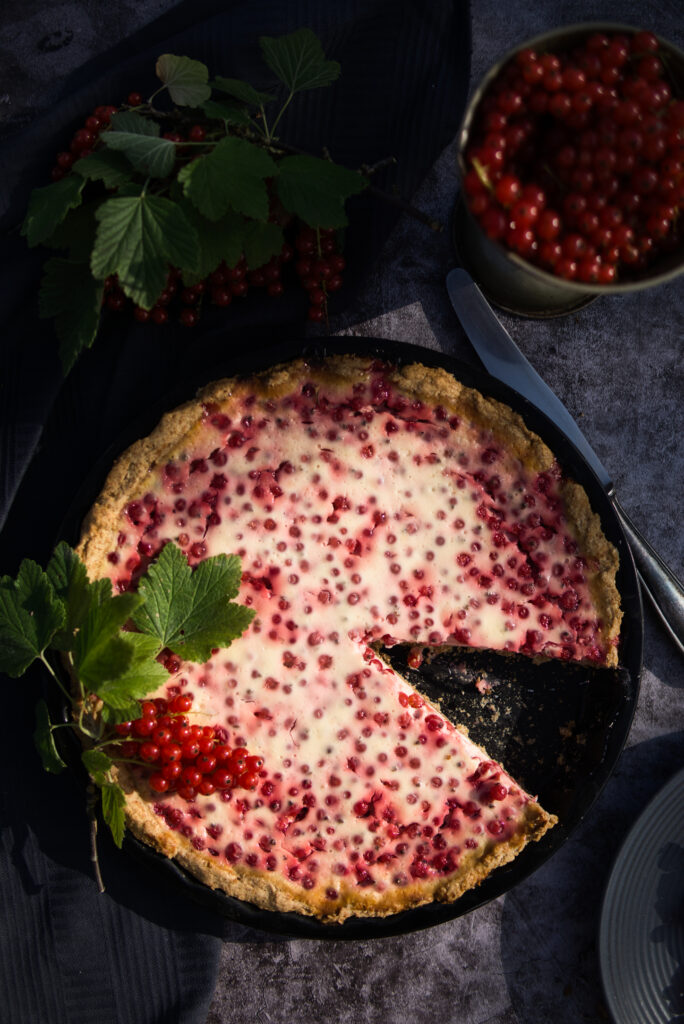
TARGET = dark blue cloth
(143,951)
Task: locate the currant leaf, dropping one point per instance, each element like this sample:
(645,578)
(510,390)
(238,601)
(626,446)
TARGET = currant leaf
(229,113)
(107,166)
(142,675)
(48,206)
(97,764)
(125,711)
(242,91)
(298,60)
(218,240)
(70,294)
(101,651)
(316,190)
(45,742)
(189,611)
(187,80)
(69,579)
(230,177)
(76,234)
(137,238)
(139,140)
(261,241)
(30,615)
(113,803)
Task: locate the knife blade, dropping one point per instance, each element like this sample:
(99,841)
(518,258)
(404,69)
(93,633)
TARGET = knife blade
(503,359)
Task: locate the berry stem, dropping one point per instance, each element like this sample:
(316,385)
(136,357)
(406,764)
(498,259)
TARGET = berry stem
(91,803)
(54,675)
(269,133)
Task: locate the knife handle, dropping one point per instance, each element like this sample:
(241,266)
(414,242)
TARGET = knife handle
(657,580)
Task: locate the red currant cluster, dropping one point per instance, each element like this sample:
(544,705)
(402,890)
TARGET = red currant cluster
(186,302)
(85,139)
(319,267)
(576,159)
(186,759)
(319,264)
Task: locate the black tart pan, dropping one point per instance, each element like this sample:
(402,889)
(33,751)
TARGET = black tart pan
(558,728)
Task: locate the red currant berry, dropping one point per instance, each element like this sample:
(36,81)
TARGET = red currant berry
(222,778)
(171,770)
(188,317)
(144,726)
(159,783)
(159,315)
(508,189)
(181,703)
(238,761)
(566,268)
(221,297)
(548,225)
(205,763)
(187,792)
(171,752)
(149,751)
(644,42)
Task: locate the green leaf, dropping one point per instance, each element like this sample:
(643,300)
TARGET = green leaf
(113,803)
(126,711)
(298,60)
(228,112)
(316,190)
(142,675)
(30,615)
(49,206)
(69,579)
(218,240)
(190,611)
(137,238)
(45,742)
(70,294)
(230,177)
(107,166)
(261,241)
(186,79)
(97,764)
(242,91)
(101,651)
(76,233)
(138,139)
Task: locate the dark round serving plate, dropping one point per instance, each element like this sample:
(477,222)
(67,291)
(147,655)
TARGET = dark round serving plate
(558,728)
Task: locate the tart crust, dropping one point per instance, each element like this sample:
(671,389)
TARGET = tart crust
(176,435)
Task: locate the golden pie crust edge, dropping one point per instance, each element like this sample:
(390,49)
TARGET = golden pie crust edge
(271,891)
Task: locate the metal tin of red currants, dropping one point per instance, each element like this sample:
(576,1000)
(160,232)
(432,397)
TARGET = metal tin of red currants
(626,109)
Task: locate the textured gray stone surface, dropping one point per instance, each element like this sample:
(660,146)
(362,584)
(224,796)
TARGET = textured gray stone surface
(531,955)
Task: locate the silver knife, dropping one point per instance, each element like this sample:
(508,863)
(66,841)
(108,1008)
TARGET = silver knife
(504,360)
